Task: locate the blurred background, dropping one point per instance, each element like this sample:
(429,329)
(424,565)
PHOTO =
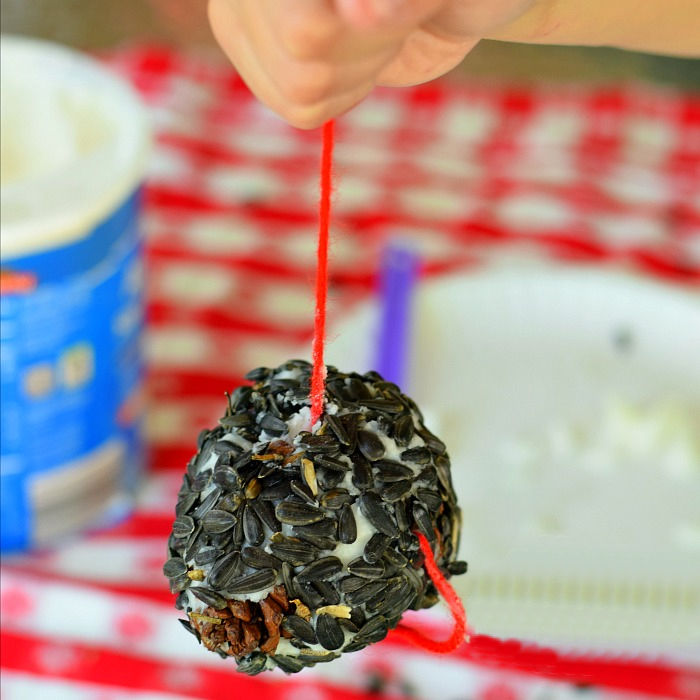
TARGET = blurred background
(551,199)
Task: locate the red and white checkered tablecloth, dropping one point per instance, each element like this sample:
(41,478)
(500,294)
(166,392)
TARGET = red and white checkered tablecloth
(477,176)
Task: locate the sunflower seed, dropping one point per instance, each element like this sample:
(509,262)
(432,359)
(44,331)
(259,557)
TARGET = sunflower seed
(206,555)
(274,492)
(266,513)
(182,600)
(418,455)
(251,583)
(329,633)
(238,533)
(300,628)
(240,397)
(253,488)
(389,470)
(373,509)
(308,473)
(328,592)
(401,516)
(396,491)
(272,425)
(311,597)
(328,479)
(194,543)
(294,551)
(457,568)
(183,526)
(225,570)
(253,664)
(207,504)
(429,498)
(323,528)
(174,567)
(179,583)
(385,405)
(288,580)
(260,559)
(321,569)
(333,463)
(361,595)
(226,478)
(423,521)
(336,499)
(375,547)
(432,442)
(237,420)
(252,527)
(337,426)
(361,472)
(357,389)
(311,657)
(289,664)
(185,502)
(347,527)
(351,583)
(318,443)
(395,558)
(216,521)
(188,626)
(293,513)
(429,475)
(209,597)
(374,630)
(370,445)
(359,567)
(303,491)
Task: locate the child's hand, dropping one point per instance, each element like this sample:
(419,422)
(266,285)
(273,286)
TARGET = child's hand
(310,60)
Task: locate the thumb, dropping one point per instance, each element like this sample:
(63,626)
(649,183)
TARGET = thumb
(384,14)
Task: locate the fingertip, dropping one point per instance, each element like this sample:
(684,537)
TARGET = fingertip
(367,14)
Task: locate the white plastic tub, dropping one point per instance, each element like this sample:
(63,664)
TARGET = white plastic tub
(74,141)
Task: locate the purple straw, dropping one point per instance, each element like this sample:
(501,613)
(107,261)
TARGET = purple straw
(397,278)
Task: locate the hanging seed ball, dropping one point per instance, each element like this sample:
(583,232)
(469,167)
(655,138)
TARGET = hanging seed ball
(291,546)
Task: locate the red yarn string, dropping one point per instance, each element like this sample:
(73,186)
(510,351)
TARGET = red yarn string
(448,593)
(318,373)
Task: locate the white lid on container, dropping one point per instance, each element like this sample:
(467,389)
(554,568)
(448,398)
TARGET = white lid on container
(74,142)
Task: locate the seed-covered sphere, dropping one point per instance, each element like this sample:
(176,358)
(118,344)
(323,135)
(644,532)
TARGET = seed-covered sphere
(295,543)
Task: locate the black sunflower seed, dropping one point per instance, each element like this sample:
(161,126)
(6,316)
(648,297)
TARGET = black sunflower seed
(389,470)
(362,595)
(266,513)
(373,509)
(323,528)
(395,558)
(396,491)
(357,389)
(337,426)
(300,628)
(206,555)
(274,492)
(293,513)
(321,569)
(370,445)
(207,504)
(354,645)
(225,570)
(419,455)
(252,527)
(195,542)
(428,475)
(253,664)
(432,442)
(209,597)
(273,425)
(327,478)
(347,527)
(240,397)
(351,583)
(385,405)
(186,502)
(336,499)
(260,559)
(359,567)
(238,533)
(294,551)
(217,520)
(429,498)
(289,664)
(361,472)
(457,568)
(329,633)
(188,626)
(258,374)
(175,566)
(374,630)
(328,592)
(375,547)
(333,463)
(423,521)
(226,478)
(404,429)
(237,420)
(183,526)
(251,583)
(288,580)
(303,491)
(318,443)
(309,595)
(179,583)
(311,657)
(182,600)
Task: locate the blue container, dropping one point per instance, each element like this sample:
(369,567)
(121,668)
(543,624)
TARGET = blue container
(71,315)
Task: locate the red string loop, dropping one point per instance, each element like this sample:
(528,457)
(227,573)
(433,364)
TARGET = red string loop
(318,373)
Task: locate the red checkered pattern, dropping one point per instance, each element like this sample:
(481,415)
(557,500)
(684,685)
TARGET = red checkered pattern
(475,176)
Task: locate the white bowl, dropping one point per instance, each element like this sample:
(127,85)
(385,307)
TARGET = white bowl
(570,404)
